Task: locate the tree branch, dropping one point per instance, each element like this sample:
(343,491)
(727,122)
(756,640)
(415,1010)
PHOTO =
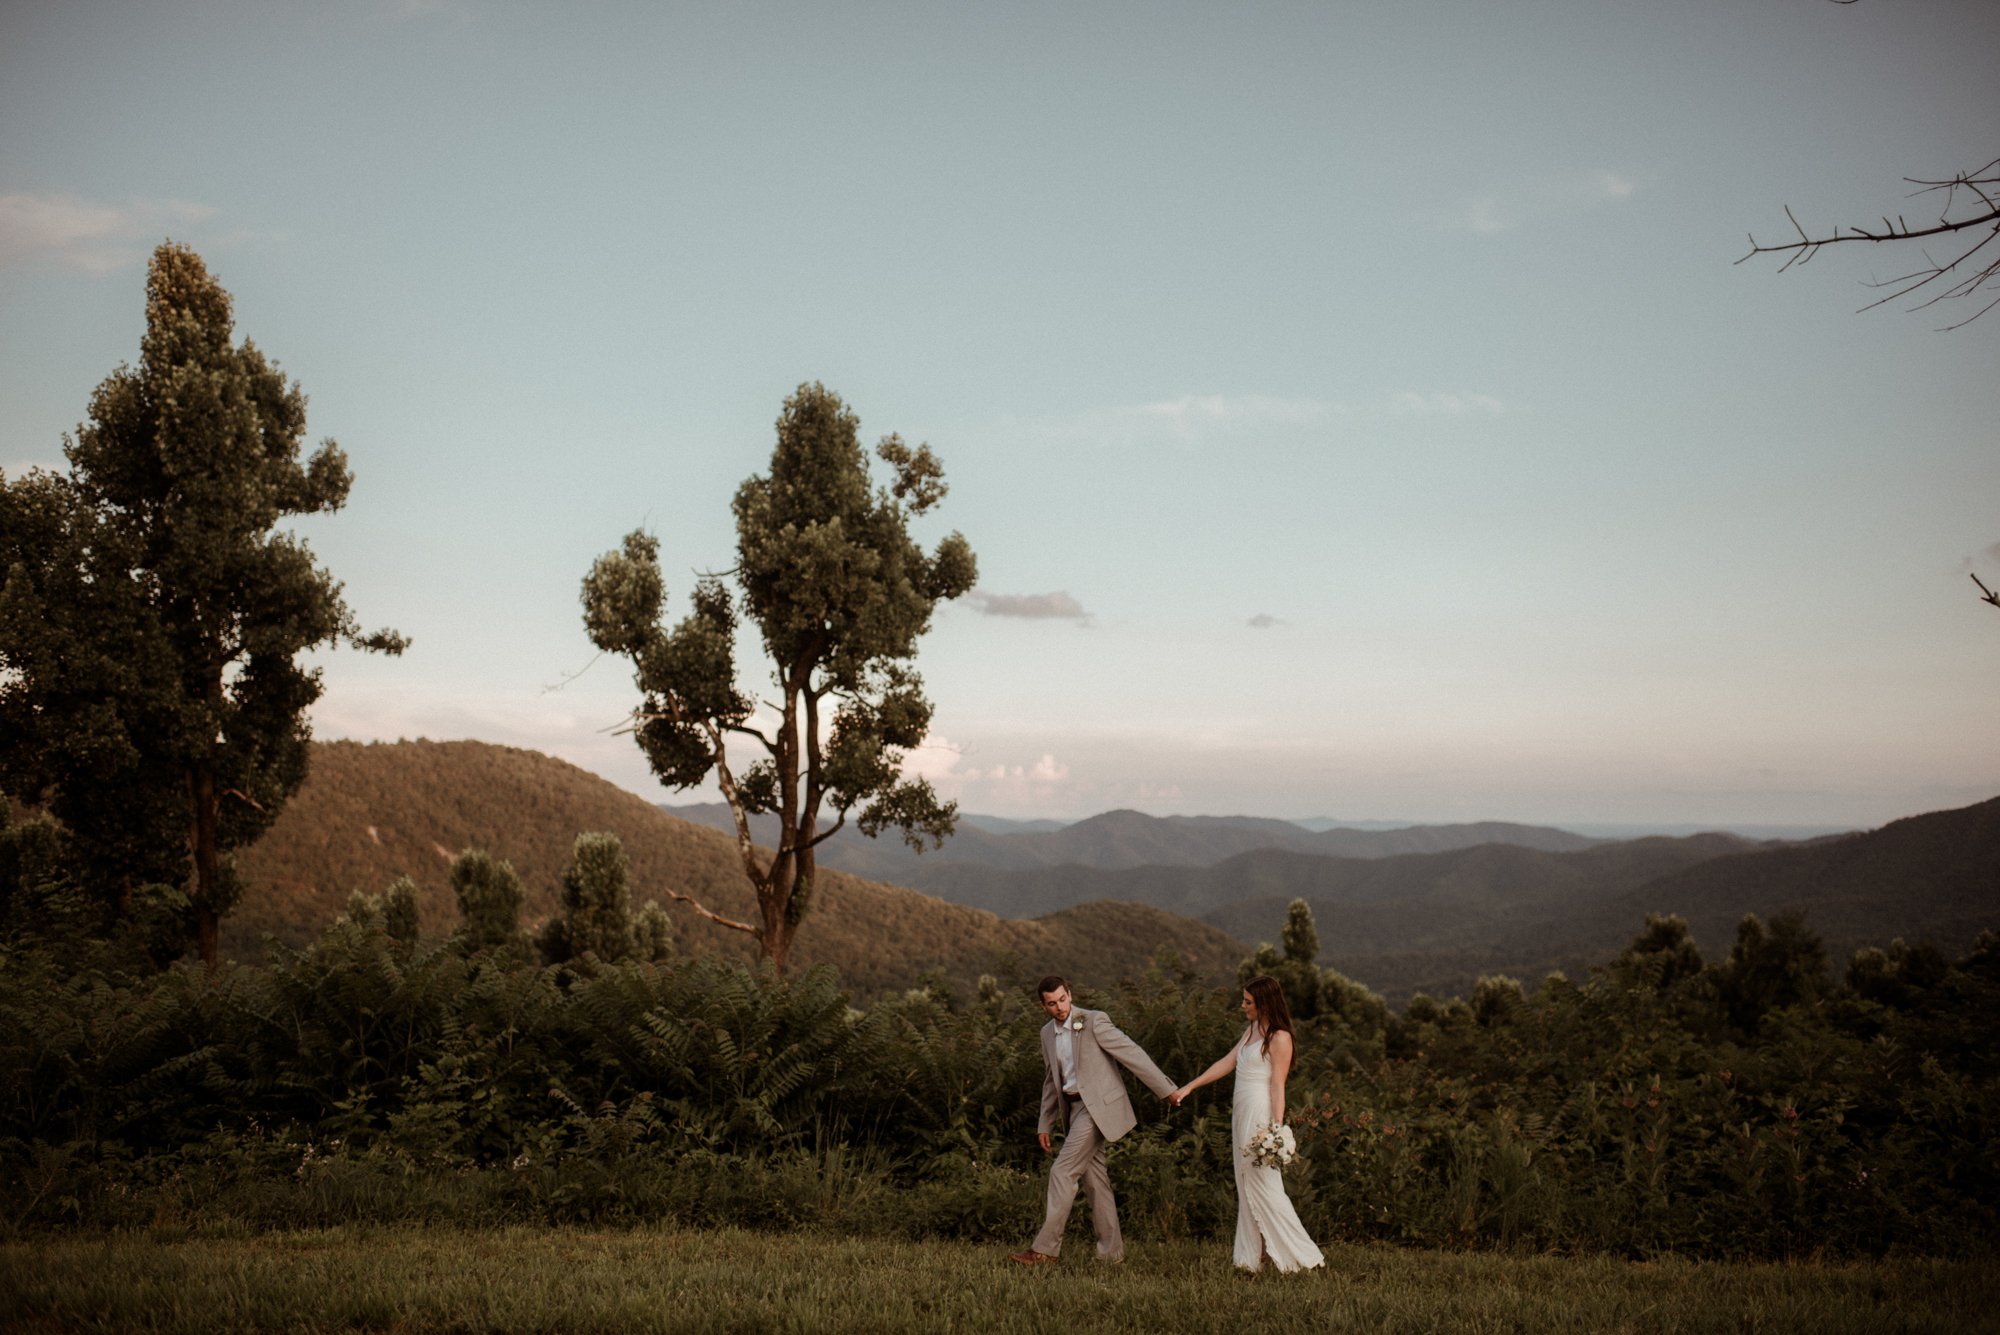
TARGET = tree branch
(1986,595)
(749,731)
(827,833)
(1981,186)
(240,795)
(709,913)
(746,847)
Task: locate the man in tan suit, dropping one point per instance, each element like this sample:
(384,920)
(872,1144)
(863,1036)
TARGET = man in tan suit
(1082,1088)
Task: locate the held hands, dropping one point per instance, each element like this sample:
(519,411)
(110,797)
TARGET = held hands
(1177,1095)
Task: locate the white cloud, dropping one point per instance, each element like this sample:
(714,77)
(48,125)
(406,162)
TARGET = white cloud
(78,234)
(1485,214)
(1019,784)
(1193,415)
(1057,606)
(1190,419)
(1448,405)
(1610,185)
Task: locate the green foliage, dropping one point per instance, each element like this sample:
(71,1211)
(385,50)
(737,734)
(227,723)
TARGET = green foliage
(652,932)
(489,900)
(596,903)
(1782,965)
(399,910)
(1900,977)
(152,618)
(1660,956)
(840,593)
(366,1079)
(1311,991)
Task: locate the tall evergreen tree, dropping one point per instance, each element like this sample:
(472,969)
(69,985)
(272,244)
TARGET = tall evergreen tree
(840,593)
(153,616)
(489,897)
(596,901)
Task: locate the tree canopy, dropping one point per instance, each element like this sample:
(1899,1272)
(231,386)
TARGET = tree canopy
(152,615)
(840,593)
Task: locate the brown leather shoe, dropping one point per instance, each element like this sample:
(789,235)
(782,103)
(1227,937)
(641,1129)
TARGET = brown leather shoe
(1029,1258)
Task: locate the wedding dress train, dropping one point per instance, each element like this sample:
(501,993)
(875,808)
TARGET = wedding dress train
(1266,1224)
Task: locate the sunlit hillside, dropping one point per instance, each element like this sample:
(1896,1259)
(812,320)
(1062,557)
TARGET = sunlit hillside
(372,812)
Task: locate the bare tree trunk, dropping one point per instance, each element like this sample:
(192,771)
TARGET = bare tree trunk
(779,925)
(202,838)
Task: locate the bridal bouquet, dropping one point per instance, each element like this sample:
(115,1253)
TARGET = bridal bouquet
(1271,1147)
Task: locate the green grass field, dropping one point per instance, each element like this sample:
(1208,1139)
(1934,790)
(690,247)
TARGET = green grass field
(532,1279)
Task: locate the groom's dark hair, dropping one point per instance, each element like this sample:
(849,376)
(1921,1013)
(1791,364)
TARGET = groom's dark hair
(1051,984)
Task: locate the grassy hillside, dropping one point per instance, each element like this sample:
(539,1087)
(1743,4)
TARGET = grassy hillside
(372,812)
(626,1281)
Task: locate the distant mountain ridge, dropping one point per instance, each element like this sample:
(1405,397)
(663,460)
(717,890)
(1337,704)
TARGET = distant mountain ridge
(1128,839)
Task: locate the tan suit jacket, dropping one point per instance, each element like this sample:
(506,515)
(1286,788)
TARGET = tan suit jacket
(1099,1043)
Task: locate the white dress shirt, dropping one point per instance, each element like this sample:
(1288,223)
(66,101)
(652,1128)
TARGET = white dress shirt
(1066,1054)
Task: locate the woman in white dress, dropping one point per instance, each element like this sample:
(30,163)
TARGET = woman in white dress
(1267,1227)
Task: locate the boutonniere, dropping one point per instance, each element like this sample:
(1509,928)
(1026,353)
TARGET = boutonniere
(1077,1024)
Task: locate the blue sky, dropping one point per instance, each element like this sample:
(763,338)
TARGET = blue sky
(1362,395)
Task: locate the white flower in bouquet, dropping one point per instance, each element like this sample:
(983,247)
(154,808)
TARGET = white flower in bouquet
(1271,1146)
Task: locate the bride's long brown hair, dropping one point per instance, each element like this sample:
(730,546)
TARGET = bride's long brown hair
(1272,1011)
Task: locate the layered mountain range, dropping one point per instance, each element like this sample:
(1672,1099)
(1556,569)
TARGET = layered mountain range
(1430,908)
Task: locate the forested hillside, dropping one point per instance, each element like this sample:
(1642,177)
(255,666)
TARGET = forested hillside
(1436,925)
(372,812)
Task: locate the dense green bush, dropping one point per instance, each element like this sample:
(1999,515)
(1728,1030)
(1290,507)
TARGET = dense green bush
(1745,1109)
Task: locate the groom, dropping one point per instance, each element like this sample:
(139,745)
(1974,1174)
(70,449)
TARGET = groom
(1082,1088)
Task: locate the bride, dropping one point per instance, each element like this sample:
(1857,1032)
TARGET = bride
(1267,1228)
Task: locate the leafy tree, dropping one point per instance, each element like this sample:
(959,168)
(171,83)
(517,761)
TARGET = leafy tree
(652,932)
(152,618)
(489,898)
(79,664)
(1300,935)
(1661,955)
(1898,976)
(840,594)
(399,910)
(596,915)
(1770,967)
(1496,998)
(1296,969)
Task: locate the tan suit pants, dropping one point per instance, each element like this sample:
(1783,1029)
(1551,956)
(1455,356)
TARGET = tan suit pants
(1081,1159)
